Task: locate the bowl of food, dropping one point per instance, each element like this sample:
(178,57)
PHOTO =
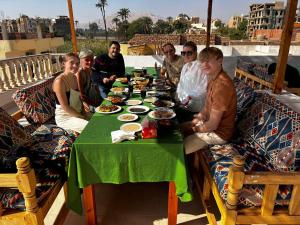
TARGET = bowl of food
(138,109)
(131,127)
(116,99)
(123,80)
(117,90)
(108,109)
(162,113)
(127,117)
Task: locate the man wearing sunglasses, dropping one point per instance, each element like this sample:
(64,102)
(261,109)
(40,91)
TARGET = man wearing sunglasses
(215,124)
(191,88)
(172,65)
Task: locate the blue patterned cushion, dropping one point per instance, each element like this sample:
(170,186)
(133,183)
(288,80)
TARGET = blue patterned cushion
(220,159)
(37,102)
(12,138)
(245,97)
(272,129)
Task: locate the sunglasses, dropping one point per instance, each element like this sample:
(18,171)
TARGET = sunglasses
(187,53)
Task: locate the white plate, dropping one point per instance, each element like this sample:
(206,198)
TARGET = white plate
(153,116)
(163,88)
(117,110)
(124,119)
(170,104)
(150,99)
(133,102)
(145,108)
(156,93)
(136,127)
(121,78)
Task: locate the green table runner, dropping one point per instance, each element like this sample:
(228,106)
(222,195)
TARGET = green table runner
(94,159)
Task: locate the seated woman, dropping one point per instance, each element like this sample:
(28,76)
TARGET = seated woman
(69,113)
(89,91)
(192,85)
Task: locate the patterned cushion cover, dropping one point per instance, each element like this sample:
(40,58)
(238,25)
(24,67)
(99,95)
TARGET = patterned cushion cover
(12,138)
(49,157)
(245,96)
(37,102)
(220,159)
(47,177)
(272,129)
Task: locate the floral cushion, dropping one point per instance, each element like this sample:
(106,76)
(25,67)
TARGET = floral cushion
(13,137)
(37,102)
(220,158)
(273,129)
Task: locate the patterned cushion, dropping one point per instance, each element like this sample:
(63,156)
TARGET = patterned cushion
(12,138)
(37,102)
(47,177)
(220,159)
(272,129)
(53,143)
(245,96)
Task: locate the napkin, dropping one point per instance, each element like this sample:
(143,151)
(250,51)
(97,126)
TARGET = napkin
(120,135)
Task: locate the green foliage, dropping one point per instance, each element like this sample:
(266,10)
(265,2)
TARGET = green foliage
(142,25)
(181,25)
(234,33)
(97,46)
(162,27)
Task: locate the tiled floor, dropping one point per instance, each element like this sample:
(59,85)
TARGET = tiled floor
(138,204)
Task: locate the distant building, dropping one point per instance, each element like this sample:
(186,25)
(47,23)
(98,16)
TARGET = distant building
(265,16)
(234,21)
(298,15)
(202,26)
(195,19)
(61,26)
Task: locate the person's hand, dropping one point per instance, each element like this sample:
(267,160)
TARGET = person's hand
(113,78)
(106,80)
(197,129)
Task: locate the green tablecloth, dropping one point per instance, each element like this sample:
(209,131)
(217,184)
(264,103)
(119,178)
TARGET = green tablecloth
(94,159)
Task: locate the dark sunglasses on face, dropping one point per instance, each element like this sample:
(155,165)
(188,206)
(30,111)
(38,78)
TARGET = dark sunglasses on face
(187,53)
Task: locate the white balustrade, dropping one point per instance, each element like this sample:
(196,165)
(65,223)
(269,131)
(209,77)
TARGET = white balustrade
(16,72)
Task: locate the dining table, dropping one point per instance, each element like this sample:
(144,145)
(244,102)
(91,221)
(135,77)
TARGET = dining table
(95,159)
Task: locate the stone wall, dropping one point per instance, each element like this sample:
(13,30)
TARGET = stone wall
(175,39)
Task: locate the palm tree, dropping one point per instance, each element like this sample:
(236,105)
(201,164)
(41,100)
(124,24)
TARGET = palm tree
(147,24)
(116,21)
(124,14)
(101,4)
(169,19)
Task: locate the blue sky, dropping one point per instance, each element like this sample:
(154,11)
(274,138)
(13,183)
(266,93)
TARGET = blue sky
(85,10)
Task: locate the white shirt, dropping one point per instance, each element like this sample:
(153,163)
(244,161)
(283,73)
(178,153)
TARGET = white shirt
(192,83)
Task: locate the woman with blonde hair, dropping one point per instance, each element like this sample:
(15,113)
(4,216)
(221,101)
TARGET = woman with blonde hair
(69,113)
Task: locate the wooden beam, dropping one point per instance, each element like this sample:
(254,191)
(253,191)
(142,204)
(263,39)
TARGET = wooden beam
(285,42)
(208,25)
(172,204)
(73,33)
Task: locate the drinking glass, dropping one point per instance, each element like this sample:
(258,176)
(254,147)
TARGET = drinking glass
(143,93)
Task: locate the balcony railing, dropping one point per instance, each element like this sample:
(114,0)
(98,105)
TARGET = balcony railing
(16,72)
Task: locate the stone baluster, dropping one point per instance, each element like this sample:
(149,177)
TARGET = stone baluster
(1,90)
(29,69)
(46,66)
(50,65)
(11,77)
(40,67)
(58,64)
(24,74)
(17,73)
(36,74)
(4,77)
(26,181)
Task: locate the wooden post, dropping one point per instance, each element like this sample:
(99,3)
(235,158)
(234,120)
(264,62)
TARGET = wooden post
(208,25)
(26,184)
(89,205)
(285,42)
(172,204)
(73,33)
(235,184)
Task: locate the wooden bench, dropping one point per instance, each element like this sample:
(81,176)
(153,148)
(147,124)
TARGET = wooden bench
(25,181)
(258,83)
(232,212)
